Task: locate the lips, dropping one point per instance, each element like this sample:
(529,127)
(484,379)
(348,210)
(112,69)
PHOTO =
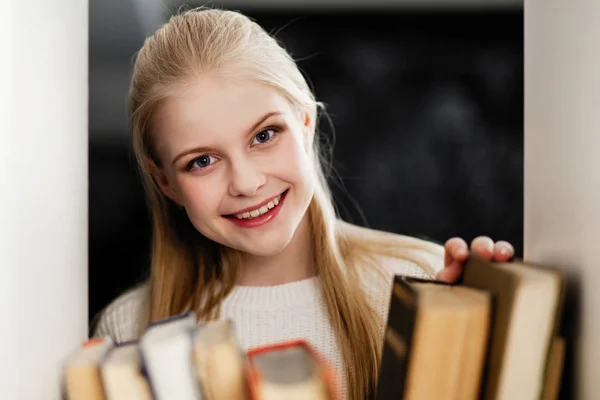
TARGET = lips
(258,210)
(258,215)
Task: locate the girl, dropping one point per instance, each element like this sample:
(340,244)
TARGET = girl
(244,227)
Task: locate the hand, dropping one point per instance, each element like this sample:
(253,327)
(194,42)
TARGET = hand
(457,252)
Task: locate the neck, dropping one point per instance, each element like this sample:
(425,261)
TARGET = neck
(294,263)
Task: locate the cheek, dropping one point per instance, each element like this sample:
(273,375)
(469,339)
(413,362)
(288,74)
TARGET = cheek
(293,163)
(201,196)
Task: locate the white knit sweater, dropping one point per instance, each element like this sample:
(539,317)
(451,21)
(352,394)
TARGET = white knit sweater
(270,314)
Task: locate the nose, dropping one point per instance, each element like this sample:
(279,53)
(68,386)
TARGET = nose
(246,178)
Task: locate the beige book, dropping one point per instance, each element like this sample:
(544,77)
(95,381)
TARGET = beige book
(449,342)
(219,361)
(122,376)
(435,341)
(527,307)
(81,374)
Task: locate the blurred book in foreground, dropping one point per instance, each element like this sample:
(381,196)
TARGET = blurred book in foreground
(81,375)
(166,351)
(177,358)
(122,374)
(221,365)
(290,371)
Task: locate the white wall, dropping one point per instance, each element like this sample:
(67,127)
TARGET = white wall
(562,161)
(43,192)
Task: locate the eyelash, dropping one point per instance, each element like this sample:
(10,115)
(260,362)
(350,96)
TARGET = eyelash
(275,131)
(190,165)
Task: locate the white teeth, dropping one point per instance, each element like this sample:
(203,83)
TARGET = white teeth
(260,211)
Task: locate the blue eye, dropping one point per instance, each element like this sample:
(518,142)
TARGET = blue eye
(263,136)
(201,162)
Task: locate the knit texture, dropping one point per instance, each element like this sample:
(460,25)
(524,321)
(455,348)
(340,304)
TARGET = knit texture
(270,314)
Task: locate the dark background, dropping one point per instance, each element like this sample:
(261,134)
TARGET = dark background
(427,106)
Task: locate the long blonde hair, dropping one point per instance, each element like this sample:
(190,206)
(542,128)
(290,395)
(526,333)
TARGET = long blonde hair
(188,271)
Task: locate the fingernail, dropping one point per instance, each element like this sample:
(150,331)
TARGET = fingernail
(506,249)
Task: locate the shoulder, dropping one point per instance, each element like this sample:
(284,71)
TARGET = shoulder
(394,253)
(416,264)
(120,320)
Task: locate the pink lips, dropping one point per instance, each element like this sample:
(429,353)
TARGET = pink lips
(261,219)
(256,207)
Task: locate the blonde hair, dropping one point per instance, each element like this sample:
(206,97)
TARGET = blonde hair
(188,271)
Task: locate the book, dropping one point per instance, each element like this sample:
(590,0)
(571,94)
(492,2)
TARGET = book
(122,374)
(81,372)
(166,350)
(435,341)
(554,369)
(291,371)
(220,363)
(528,301)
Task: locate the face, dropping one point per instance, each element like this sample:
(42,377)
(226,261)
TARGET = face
(235,155)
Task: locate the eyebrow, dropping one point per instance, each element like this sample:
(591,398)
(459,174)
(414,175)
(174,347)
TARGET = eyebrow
(208,149)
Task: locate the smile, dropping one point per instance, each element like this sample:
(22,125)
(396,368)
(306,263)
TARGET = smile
(260,214)
(261,210)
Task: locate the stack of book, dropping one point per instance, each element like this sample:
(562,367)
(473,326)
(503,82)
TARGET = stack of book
(179,359)
(493,335)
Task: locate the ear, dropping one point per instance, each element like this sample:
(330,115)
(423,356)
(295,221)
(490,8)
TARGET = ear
(308,129)
(162,181)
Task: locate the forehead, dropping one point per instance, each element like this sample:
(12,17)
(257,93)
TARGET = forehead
(213,108)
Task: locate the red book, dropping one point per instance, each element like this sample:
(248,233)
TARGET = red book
(290,370)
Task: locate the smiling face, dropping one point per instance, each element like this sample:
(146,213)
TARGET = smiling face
(235,154)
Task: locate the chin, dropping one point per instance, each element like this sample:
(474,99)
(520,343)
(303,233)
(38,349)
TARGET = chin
(266,248)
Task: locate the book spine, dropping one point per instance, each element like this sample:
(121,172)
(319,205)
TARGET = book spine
(393,370)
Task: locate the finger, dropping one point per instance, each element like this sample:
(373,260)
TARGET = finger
(483,246)
(450,273)
(455,249)
(503,251)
